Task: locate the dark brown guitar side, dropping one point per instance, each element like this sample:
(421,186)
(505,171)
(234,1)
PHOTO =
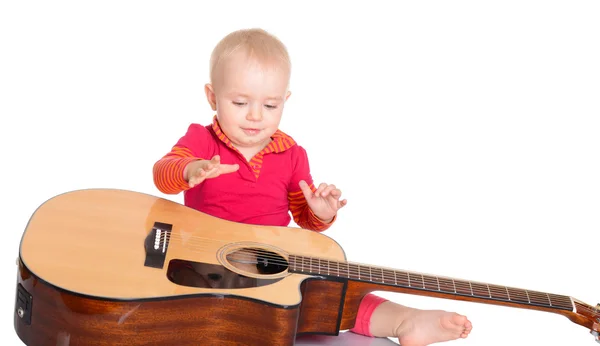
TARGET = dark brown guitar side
(63,318)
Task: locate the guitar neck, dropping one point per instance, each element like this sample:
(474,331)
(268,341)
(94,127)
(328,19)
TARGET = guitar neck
(385,279)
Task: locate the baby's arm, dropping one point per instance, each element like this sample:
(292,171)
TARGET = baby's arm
(303,215)
(194,151)
(168,171)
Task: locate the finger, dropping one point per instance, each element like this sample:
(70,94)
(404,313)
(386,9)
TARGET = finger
(228,168)
(214,172)
(328,190)
(320,189)
(343,203)
(198,177)
(308,194)
(195,181)
(198,173)
(216,159)
(336,193)
(203,172)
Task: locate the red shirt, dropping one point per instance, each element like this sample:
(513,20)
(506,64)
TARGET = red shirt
(263,191)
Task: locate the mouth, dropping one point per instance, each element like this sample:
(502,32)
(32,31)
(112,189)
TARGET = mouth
(250,131)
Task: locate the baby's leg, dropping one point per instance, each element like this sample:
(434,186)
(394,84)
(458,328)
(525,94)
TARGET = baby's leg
(414,327)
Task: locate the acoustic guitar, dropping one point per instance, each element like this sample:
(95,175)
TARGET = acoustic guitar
(116,267)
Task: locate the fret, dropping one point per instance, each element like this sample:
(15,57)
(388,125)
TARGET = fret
(462,287)
(562,302)
(517,295)
(415,280)
(430,283)
(364,273)
(338,268)
(447,285)
(498,292)
(538,298)
(402,279)
(320,266)
(377,275)
(343,271)
(353,271)
(389,276)
(480,290)
(303,263)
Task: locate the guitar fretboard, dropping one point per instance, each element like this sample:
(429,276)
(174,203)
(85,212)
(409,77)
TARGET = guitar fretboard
(424,282)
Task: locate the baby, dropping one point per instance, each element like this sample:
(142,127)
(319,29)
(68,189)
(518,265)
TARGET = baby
(243,168)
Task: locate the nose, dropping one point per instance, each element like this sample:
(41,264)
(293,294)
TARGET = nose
(255,113)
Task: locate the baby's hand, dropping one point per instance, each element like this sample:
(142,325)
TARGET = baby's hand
(325,202)
(197,171)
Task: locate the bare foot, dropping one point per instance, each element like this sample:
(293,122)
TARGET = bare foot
(425,327)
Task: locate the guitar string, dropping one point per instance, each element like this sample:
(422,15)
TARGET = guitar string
(424,280)
(493,293)
(356,271)
(566,302)
(420,280)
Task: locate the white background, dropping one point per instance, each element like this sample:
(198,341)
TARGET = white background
(463,134)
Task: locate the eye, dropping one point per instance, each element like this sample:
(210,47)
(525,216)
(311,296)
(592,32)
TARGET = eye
(271,106)
(214,276)
(238,103)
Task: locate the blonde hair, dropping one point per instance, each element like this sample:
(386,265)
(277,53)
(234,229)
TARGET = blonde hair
(256,43)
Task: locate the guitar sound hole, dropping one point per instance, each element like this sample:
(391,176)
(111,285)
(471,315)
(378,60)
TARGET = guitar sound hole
(257,261)
(205,275)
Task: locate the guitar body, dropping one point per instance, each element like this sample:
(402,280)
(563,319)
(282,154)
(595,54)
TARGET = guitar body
(114,267)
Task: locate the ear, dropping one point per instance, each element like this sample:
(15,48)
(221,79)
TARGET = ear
(287,96)
(210,96)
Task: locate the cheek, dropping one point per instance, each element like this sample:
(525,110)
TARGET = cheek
(275,117)
(230,112)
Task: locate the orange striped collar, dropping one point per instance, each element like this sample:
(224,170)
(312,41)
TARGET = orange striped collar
(280,141)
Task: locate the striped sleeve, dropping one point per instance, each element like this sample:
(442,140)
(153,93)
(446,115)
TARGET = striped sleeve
(168,171)
(303,215)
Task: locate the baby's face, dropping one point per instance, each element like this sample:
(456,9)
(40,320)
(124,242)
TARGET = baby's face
(249,100)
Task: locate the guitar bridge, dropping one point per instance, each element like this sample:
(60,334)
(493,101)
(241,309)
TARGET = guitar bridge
(156,245)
